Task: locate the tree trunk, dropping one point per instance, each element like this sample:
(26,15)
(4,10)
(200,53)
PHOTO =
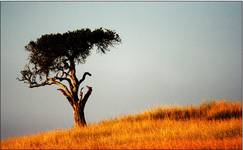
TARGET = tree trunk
(78,108)
(79,117)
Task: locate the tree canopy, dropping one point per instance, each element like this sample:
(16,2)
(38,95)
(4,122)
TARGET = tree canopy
(52,56)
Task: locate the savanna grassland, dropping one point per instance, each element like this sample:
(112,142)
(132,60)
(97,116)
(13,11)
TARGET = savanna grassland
(214,125)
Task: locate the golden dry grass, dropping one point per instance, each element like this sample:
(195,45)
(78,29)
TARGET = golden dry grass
(216,125)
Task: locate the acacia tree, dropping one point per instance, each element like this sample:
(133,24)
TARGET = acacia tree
(53,59)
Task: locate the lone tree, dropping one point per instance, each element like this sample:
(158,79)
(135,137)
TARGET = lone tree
(53,59)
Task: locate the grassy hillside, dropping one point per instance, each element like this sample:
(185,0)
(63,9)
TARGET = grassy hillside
(215,125)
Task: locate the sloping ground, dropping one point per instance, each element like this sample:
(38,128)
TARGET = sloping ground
(216,125)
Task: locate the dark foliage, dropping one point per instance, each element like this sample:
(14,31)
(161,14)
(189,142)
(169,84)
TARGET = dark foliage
(54,53)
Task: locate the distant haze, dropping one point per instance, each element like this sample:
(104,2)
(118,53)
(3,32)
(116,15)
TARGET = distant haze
(177,53)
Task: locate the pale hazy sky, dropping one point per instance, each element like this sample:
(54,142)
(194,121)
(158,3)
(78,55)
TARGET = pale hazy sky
(177,53)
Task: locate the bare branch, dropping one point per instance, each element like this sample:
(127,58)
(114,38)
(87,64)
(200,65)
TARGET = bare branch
(62,78)
(83,78)
(62,71)
(62,86)
(81,95)
(30,78)
(86,96)
(33,85)
(67,96)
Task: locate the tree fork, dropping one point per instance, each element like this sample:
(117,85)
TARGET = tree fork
(79,117)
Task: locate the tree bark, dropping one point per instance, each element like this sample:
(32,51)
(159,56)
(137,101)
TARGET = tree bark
(79,117)
(78,109)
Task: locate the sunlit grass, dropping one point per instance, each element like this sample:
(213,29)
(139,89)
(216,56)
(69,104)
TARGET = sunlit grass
(215,125)
(210,111)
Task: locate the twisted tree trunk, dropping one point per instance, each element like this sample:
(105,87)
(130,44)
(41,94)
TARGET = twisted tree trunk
(79,118)
(78,108)
(78,101)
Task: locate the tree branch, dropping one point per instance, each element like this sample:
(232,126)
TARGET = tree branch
(62,86)
(63,78)
(65,92)
(31,78)
(62,69)
(73,77)
(86,96)
(32,83)
(81,94)
(67,96)
(83,78)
